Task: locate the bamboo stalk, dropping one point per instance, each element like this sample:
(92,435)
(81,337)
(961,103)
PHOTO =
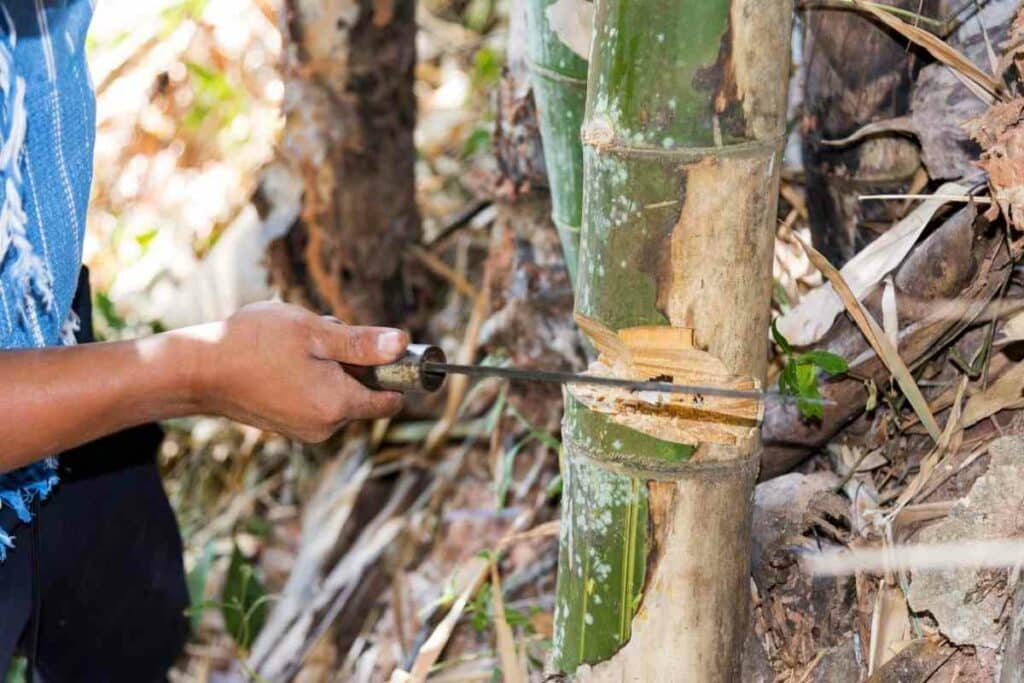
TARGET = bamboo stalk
(682,147)
(559,79)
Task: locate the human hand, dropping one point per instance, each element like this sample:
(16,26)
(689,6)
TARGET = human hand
(278,367)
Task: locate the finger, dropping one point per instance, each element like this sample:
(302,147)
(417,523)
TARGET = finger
(359,345)
(365,404)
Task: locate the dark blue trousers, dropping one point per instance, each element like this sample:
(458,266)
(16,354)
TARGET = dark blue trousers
(104,564)
(95,588)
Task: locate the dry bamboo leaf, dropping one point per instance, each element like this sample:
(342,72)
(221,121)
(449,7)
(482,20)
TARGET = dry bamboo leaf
(473,574)
(931,461)
(511,665)
(878,341)
(890,624)
(431,650)
(899,124)
(890,313)
(981,83)
(809,320)
(1006,393)
(1012,331)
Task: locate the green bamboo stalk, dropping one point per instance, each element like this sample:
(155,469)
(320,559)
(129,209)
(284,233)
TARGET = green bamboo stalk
(610,571)
(682,140)
(559,79)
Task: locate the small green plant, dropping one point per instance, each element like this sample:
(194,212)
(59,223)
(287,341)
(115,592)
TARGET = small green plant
(801,373)
(17,671)
(244,601)
(481,612)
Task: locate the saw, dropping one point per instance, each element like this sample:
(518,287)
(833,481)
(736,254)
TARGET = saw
(424,368)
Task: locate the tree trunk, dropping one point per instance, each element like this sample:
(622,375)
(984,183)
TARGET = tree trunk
(348,138)
(683,136)
(857,73)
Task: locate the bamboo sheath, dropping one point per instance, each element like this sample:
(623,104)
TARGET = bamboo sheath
(682,142)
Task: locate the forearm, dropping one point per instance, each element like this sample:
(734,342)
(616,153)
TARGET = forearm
(273,366)
(54,399)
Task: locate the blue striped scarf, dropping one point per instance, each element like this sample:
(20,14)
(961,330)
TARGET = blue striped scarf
(47,132)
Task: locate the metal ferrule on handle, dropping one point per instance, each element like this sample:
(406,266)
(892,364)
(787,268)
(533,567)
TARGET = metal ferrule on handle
(408,373)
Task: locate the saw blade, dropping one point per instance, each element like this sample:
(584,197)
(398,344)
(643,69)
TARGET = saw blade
(520,374)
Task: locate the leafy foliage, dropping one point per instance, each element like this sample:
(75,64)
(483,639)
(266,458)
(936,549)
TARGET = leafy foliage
(244,601)
(801,373)
(481,612)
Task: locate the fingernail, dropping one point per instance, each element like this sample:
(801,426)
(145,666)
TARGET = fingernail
(391,342)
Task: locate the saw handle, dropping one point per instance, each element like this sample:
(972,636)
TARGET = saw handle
(407,374)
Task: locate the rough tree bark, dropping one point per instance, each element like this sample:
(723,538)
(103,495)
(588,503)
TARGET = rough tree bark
(682,133)
(349,115)
(857,72)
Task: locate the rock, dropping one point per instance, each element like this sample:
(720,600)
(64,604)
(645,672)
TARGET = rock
(968,604)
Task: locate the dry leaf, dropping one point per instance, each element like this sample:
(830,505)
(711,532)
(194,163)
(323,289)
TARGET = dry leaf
(878,341)
(890,313)
(952,434)
(512,668)
(981,83)
(890,624)
(809,320)
(1012,331)
(471,576)
(1001,136)
(1006,393)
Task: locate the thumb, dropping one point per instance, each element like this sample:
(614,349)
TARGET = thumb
(359,345)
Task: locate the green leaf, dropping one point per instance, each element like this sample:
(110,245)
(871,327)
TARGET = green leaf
(487,65)
(196,582)
(806,378)
(103,305)
(554,487)
(478,14)
(244,601)
(508,462)
(478,140)
(809,408)
(480,608)
(16,673)
(827,361)
(144,238)
(808,396)
(782,342)
(787,380)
